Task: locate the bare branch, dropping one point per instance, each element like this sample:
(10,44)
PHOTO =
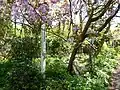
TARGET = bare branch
(52,32)
(109,19)
(104,11)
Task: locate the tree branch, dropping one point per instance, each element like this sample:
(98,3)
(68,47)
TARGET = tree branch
(108,20)
(87,24)
(71,20)
(103,12)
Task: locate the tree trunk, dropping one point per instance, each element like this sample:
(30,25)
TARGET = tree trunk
(72,58)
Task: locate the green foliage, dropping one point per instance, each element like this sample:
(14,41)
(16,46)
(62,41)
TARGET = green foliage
(22,48)
(21,71)
(117,50)
(23,75)
(58,79)
(5,67)
(105,63)
(57,46)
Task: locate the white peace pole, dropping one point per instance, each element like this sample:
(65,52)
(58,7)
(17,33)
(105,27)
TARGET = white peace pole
(43,49)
